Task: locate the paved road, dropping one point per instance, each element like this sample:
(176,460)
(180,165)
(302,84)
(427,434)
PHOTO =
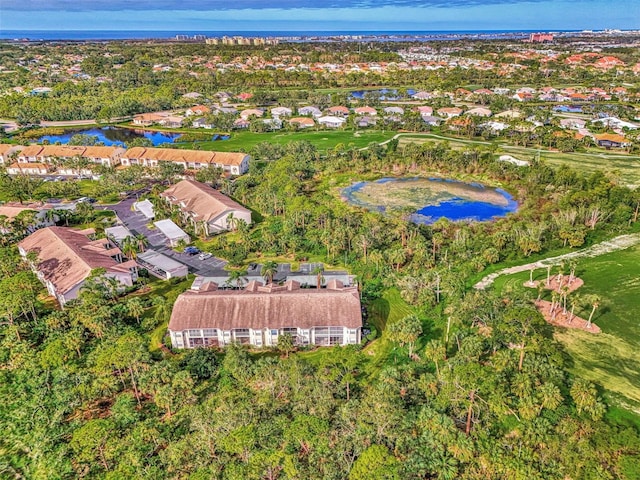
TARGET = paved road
(618,243)
(137,223)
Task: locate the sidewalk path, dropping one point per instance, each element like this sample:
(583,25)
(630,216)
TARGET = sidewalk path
(618,243)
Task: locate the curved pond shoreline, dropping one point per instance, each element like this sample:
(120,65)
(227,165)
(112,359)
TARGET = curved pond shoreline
(431,199)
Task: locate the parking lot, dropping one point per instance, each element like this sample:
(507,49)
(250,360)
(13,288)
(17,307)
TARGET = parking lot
(136,222)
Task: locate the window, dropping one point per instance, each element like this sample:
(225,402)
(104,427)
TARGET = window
(328,335)
(194,333)
(242,336)
(293,331)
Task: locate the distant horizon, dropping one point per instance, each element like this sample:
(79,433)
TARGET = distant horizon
(132,34)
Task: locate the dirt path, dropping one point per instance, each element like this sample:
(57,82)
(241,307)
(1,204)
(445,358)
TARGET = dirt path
(618,243)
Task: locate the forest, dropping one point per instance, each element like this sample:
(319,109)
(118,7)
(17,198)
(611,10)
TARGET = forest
(451,383)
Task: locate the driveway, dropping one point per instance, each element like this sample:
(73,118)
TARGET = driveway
(137,223)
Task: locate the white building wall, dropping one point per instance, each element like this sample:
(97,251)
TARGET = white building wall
(261,338)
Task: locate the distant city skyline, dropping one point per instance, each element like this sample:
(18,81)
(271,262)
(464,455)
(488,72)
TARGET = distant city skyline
(331,15)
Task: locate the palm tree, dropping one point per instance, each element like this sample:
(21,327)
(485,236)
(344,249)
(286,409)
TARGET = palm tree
(135,308)
(130,248)
(237,278)
(269,269)
(594,301)
(50,216)
(319,276)
(142,242)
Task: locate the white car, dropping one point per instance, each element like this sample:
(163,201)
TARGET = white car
(204,256)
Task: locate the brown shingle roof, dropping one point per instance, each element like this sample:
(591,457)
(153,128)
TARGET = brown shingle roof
(31,151)
(7,147)
(179,155)
(65,256)
(267,307)
(12,210)
(199,198)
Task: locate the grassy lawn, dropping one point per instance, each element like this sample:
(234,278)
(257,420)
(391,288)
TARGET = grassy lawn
(609,359)
(383,311)
(323,140)
(169,291)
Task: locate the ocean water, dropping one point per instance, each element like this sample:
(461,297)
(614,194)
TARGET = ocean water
(82,35)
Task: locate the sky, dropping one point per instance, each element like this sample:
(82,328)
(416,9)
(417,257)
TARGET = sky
(318,15)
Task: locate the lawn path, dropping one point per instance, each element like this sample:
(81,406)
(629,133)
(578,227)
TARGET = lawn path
(618,243)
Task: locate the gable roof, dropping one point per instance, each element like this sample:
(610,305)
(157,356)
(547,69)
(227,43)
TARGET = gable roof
(180,156)
(269,306)
(205,202)
(66,256)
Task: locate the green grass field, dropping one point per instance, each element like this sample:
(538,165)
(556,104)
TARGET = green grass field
(590,161)
(383,311)
(610,358)
(323,140)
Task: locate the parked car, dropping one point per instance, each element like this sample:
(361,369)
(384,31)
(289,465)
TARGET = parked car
(204,256)
(191,250)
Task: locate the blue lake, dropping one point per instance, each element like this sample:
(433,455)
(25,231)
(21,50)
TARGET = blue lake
(568,108)
(432,198)
(385,93)
(121,136)
(114,136)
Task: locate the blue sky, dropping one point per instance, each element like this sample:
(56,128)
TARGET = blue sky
(318,15)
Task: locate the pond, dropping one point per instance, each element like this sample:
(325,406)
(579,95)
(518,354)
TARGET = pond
(432,198)
(114,136)
(385,93)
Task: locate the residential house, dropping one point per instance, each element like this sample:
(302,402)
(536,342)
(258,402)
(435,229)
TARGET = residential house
(508,114)
(202,123)
(611,140)
(368,111)
(364,122)
(273,123)
(338,111)
(259,314)
(251,112)
(330,121)
(204,207)
(241,123)
(425,111)
(11,210)
(8,152)
(573,123)
(278,112)
(31,168)
(422,95)
(53,154)
(148,119)
(614,122)
(65,258)
(315,112)
(171,121)
(394,111)
(479,112)
(431,120)
(231,162)
(494,127)
(197,110)
(449,112)
(302,122)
